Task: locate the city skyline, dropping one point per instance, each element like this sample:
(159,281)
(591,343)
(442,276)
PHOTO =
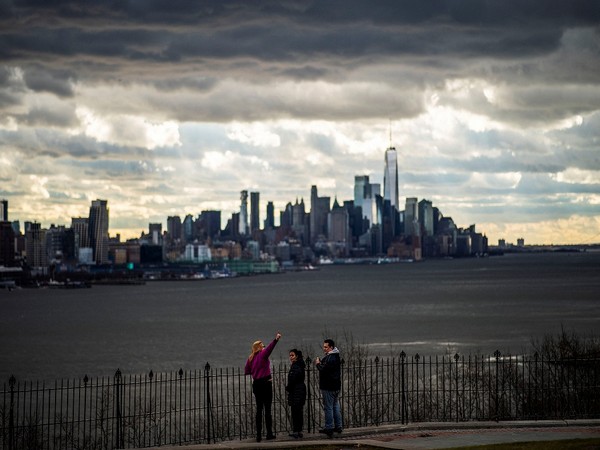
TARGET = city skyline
(169,109)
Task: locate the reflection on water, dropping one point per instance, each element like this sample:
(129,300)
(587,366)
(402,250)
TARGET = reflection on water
(433,307)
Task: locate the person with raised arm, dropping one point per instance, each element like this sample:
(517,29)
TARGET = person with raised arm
(258,366)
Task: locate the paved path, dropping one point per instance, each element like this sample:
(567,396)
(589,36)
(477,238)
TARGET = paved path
(426,436)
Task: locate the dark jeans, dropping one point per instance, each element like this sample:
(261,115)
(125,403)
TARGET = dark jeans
(297,418)
(263,393)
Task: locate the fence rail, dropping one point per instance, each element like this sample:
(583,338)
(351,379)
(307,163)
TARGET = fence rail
(209,405)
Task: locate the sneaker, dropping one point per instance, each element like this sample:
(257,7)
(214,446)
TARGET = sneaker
(295,435)
(270,437)
(337,430)
(327,431)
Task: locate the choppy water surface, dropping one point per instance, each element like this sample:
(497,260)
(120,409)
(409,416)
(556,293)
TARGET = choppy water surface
(462,305)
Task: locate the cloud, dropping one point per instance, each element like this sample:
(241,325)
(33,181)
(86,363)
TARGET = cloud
(171,107)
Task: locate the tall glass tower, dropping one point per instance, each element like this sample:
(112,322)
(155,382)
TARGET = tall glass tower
(390,178)
(98,230)
(243,225)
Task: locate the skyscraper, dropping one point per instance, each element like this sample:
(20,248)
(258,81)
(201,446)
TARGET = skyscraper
(361,189)
(81,227)
(188,228)
(270,220)
(155,233)
(7,244)
(3,210)
(319,210)
(36,246)
(254,211)
(243,223)
(411,217)
(98,229)
(390,177)
(426,217)
(174,228)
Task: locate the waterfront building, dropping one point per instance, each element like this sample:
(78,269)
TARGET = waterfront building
(36,246)
(243,218)
(7,244)
(282,251)
(447,227)
(253,250)
(61,244)
(254,211)
(98,230)
(197,253)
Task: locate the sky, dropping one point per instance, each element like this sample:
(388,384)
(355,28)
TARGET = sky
(173,107)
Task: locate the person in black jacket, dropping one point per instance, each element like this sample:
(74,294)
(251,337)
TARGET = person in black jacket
(296,392)
(330,383)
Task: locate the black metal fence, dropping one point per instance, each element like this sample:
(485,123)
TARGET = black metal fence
(209,405)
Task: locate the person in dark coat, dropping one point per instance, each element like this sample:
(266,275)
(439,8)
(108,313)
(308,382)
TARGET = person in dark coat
(330,383)
(296,392)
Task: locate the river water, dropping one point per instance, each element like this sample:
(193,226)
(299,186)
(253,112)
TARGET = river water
(431,308)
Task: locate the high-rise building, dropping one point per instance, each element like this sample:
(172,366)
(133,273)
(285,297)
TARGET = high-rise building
(36,246)
(319,210)
(243,221)
(361,189)
(299,222)
(61,244)
(373,204)
(211,221)
(426,217)
(3,210)
(188,228)
(411,217)
(339,224)
(155,232)
(270,220)
(80,226)
(390,178)
(254,211)
(98,230)
(7,244)
(174,228)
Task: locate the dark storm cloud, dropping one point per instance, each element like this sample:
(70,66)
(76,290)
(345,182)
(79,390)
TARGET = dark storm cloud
(170,31)
(46,142)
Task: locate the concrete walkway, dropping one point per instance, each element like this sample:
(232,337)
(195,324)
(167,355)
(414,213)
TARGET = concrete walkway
(425,436)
